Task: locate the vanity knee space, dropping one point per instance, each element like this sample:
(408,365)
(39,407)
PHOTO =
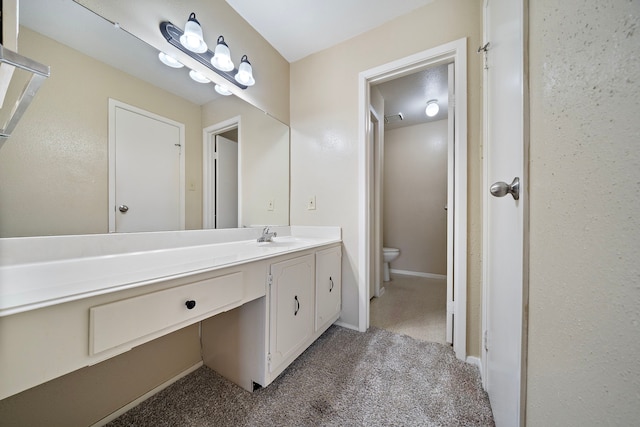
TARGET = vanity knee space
(256,342)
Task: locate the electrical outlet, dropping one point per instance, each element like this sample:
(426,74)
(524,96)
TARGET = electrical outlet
(311,203)
(270,205)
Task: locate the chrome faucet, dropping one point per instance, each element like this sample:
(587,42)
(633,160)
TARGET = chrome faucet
(266,235)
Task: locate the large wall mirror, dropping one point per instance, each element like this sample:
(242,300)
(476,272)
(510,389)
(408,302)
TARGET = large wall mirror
(54,170)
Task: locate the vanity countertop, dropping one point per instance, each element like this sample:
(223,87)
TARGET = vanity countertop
(27,284)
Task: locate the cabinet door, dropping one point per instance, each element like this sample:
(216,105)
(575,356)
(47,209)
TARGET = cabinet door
(328,286)
(292,309)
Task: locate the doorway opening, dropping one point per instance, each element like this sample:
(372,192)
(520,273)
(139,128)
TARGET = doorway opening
(221,205)
(411,169)
(370,243)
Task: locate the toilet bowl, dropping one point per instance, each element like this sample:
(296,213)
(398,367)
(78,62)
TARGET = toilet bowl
(388,255)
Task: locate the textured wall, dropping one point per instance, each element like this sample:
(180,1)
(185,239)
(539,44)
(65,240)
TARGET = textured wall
(584,322)
(324,133)
(415,193)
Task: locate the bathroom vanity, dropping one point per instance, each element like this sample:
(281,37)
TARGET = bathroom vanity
(67,302)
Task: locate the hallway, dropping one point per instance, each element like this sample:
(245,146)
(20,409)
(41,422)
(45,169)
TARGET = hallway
(413,306)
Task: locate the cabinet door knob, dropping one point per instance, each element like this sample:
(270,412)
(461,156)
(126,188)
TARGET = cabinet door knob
(295,313)
(330,287)
(190,304)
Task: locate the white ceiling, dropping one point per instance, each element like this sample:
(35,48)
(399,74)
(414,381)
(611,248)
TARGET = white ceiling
(408,95)
(298,28)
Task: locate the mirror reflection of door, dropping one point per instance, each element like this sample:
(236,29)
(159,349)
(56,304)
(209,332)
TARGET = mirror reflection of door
(146,173)
(226,181)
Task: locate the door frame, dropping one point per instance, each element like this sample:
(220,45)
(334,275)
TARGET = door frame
(456,52)
(113,104)
(376,130)
(208,169)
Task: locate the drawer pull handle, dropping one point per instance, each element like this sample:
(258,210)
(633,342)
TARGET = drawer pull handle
(297,306)
(190,304)
(330,287)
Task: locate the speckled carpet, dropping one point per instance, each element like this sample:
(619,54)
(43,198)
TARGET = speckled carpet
(345,378)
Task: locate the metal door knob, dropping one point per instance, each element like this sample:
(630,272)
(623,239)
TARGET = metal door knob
(501,189)
(123,208)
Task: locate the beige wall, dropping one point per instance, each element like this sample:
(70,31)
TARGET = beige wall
(263,160)
(54,168)
(271,70)
(324,122)
(584,312)
(87,395)
(415,194)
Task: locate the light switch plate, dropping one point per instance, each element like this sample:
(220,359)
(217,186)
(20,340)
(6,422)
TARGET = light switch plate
(311,203)
(270,205)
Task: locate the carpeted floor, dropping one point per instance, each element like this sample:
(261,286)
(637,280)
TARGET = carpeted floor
(346,378)
(414,306)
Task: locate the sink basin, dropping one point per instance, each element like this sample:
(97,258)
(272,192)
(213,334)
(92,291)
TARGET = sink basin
(284,241)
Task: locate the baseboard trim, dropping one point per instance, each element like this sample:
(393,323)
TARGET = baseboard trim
(419,274)
(147,395)
(472,360)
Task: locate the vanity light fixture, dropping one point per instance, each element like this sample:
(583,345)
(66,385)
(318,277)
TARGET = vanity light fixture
(169,60)
(432,108)
(192,38)
(222,56)
(245,72)
(198,77)
(223,90)
(219,61)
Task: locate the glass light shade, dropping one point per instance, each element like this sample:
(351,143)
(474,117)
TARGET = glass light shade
(432,108)
(169,60)
(222,56)
(199,77)
(192,38)
(223,90)
(245,73)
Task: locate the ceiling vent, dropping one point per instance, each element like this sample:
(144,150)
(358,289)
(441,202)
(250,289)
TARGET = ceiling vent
(393,118)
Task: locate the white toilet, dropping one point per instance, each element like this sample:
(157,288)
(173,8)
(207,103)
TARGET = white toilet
(388,255)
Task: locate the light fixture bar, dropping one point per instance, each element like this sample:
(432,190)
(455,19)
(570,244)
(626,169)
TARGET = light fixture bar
(172,34)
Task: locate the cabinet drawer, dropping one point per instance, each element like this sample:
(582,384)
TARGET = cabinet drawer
(122,322)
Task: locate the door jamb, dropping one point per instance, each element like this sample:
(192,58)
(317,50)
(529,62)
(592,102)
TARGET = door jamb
(208,171)
(455,51)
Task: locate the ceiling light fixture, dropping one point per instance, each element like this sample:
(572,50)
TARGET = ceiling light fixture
(192,37)
(222,56)
(170,60)
(219,61)
(245,72)
(432,108)
(198,77)
(223,90)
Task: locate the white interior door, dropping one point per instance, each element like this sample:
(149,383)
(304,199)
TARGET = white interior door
(146,171)
(504,216)
(226,183)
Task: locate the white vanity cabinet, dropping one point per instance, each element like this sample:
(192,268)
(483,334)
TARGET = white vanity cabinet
(67,302)
(328,287)
(254,343)
(291,310)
